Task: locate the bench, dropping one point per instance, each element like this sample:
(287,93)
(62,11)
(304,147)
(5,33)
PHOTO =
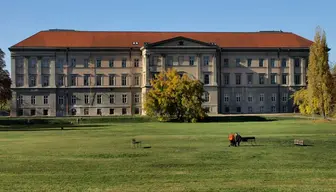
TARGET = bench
(247,139)
(298,142)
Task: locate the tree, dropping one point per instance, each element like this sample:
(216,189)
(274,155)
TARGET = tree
(320,82)
(5,82)
(174,97)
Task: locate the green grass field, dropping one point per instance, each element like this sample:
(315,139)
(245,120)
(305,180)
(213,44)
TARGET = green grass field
(183,157)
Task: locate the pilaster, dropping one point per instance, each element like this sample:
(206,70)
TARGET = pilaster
(13,71)
(163,62)
(53,103)
(39,72)
(199,67)
(214,70)
(291,71)
(25,72)
(14,101)
(52,73)
(268,71)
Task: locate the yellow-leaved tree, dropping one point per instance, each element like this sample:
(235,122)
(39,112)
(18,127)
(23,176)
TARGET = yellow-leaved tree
(173,97)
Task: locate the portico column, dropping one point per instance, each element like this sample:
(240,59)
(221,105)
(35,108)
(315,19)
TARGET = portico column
(39,72)
(199,67)
(214,70)
(163,62)
(52,67)
(303,71)
(25,72)
(291,71)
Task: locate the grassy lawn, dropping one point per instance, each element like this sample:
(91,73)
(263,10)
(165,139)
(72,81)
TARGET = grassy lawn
(183,157)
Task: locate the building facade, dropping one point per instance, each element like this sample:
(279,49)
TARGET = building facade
(80,73)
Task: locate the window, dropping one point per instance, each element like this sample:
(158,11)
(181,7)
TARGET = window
(99,112)
(261,97)
(284,97)
(45,80)
(19,62)
(20,112)
(73,111)
(226,98)
(32,80)
(124,80)
(261,62)
(86,63)
(238,109)
(73,80)
(262,78)
(284,79)
(60,100)
(111,79)
(86,111)
(60,63)
(45,99)
(261,109)
(136,98)
(20,99)
(32,112)
(206,79)
(86,99)
(19,80)
(124,98)
(73,100)
(136,80)
(206,97)
(32,63)
(98,63)
(112,99)
(238,97)
(226,63)
(136,62)
(206,60)
(86,79)
(273,98)
(169,61)
(191,60)
(99,99)
(73,62)
(123,111)
(227,109)
(238,78)
(136,111)
(45,112)
(123,63)
(250,79)
(226,79)
(284,109)
(273,109)
(99,80)
(297,79)
(250,99)
(249,62)
(273,78)
(237,62)
(283,62)
(32,100)
(111,63)
(111,111)
(297,62)
(60,80)
(273,63)
(180,60)
(45,63)
(250,110)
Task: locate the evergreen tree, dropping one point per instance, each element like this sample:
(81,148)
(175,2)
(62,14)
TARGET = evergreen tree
(5,82)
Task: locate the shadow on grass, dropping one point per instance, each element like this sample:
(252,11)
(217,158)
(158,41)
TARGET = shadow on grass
(50,127)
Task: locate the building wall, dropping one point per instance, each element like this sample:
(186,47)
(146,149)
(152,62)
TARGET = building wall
(142,65)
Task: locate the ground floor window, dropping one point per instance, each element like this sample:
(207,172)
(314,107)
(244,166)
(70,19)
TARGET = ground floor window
(238,109)
(250,110)
(227,109)
(207,109)
(111,111)
(20,112)
(124,111)
(273,108)
(32,112)
(86,111)
(137,111)
(73,111)
(284,109)
(261,109)
(99,112)
(45,112)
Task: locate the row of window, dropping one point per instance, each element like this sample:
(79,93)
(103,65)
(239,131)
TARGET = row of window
(262,78)
(99,99)
(99,80)
(261,97)
(273,62)
(32,63)
(180,60)
(261,109)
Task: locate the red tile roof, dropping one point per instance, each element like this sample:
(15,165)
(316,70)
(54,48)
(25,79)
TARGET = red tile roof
(87,39)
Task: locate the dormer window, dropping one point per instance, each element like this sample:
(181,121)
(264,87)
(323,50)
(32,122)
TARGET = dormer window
(181,43)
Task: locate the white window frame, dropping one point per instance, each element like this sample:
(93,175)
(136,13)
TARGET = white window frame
(273,98)
(45,99)
(137,98)
(262,97)
(124,98)
(238,97)
(99,99)
(112,98)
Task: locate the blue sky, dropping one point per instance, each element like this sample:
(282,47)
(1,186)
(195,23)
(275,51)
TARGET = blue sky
(23,18)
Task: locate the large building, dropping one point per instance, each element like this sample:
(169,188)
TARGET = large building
(68,72)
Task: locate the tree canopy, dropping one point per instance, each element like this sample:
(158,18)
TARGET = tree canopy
(5,81)
(173,97)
